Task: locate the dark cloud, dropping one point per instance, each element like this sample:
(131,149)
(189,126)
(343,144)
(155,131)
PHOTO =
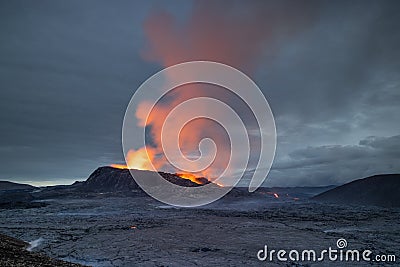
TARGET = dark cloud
(68,70)
(337,164)
(348,55)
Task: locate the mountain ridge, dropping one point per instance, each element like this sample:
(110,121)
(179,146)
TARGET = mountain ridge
(7,185)
(377,190)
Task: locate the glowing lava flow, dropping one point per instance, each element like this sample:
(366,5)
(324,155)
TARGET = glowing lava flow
(190,177)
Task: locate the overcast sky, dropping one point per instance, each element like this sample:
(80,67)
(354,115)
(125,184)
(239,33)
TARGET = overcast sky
(330,71)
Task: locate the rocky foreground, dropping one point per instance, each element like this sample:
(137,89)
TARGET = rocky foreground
(139,231)
(107,221)
(13,252)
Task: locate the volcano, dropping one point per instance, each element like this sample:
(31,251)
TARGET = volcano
(110,179)
(103,182)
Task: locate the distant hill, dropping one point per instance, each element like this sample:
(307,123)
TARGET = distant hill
(14,195)
(378,190)
(6,185)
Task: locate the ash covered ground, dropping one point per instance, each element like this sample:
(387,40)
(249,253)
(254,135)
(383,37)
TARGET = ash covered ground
(139,231)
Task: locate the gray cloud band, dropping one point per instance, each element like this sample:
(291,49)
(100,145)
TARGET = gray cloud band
(153,89)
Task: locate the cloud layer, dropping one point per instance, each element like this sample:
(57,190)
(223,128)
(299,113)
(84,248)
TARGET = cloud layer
(330,71)
(337,164)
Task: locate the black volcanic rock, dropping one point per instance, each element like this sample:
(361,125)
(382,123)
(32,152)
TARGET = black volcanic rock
(109,179)
(13,253)
(378,190)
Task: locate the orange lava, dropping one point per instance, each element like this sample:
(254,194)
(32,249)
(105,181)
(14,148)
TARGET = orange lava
(190,177)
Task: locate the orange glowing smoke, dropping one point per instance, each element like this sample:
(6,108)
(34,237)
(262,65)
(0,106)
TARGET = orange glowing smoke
(229,34)
(140,159)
